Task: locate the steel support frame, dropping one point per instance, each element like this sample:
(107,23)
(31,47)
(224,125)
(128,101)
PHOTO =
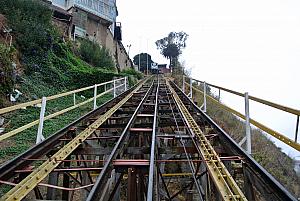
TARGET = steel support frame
(30,182)
(232,148)
(254,175)
(181,143)
(104,175)
(224,182)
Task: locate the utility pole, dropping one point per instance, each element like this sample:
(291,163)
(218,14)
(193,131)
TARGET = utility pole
(139,61)
(147,58)
(147,63)
(140,52)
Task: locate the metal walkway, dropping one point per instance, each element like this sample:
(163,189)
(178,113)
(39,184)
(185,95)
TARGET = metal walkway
(149,143)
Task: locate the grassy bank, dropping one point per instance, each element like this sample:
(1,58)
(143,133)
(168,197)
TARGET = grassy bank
(46,64)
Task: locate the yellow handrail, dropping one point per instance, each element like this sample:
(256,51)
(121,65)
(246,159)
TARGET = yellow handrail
(34,102)
(268,130)
(259,100)
(29,125)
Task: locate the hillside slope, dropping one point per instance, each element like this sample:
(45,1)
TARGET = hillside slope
(42,63)
(42,54)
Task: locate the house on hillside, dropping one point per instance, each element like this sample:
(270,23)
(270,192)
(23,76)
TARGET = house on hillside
(163,69)
(95,20)
(159,68)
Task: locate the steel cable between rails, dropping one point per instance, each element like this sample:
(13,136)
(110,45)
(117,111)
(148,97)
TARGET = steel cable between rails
(192,167)
(227,186)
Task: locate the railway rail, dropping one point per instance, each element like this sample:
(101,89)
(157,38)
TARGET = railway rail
(149,143)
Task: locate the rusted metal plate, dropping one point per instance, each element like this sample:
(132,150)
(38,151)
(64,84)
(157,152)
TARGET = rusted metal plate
(141,129)
(133,162)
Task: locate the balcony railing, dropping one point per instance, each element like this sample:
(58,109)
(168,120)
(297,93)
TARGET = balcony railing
(105,9)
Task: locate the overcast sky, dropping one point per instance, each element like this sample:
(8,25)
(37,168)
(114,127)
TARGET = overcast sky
(249,46)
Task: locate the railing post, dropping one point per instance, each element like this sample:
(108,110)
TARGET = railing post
(105,87)
(95,97)
(297,128)
(247,124)
(74,99)
(125,83)
(114,88)
(183,79)
(204,97)
(191,88)
(219,98)
(40,136)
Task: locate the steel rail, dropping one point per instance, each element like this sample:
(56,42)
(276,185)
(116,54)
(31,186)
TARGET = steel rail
(268,130)
(225,158)
(276,188)
(260,100)
(31,181)
(153,142)
(100,181)
(224,182)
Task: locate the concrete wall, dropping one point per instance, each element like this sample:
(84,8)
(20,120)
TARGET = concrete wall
(101,34)
(96,31)
(123,57)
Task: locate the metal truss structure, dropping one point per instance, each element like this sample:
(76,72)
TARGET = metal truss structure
(149,143)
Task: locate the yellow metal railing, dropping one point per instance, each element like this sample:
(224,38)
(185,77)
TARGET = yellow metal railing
(277,135)
(32,103)
(259,100)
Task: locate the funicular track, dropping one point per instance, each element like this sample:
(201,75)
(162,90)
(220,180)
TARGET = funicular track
(255,182)
(149,143)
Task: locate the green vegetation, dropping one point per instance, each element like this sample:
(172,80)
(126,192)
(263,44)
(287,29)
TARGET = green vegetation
(44,54)
(91,52)
(6,71)
(132,74)
(21,142)
(70,71)
(31,25)
(50,66)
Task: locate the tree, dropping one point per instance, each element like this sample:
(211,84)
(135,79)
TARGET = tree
(142,58)
(172,45)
